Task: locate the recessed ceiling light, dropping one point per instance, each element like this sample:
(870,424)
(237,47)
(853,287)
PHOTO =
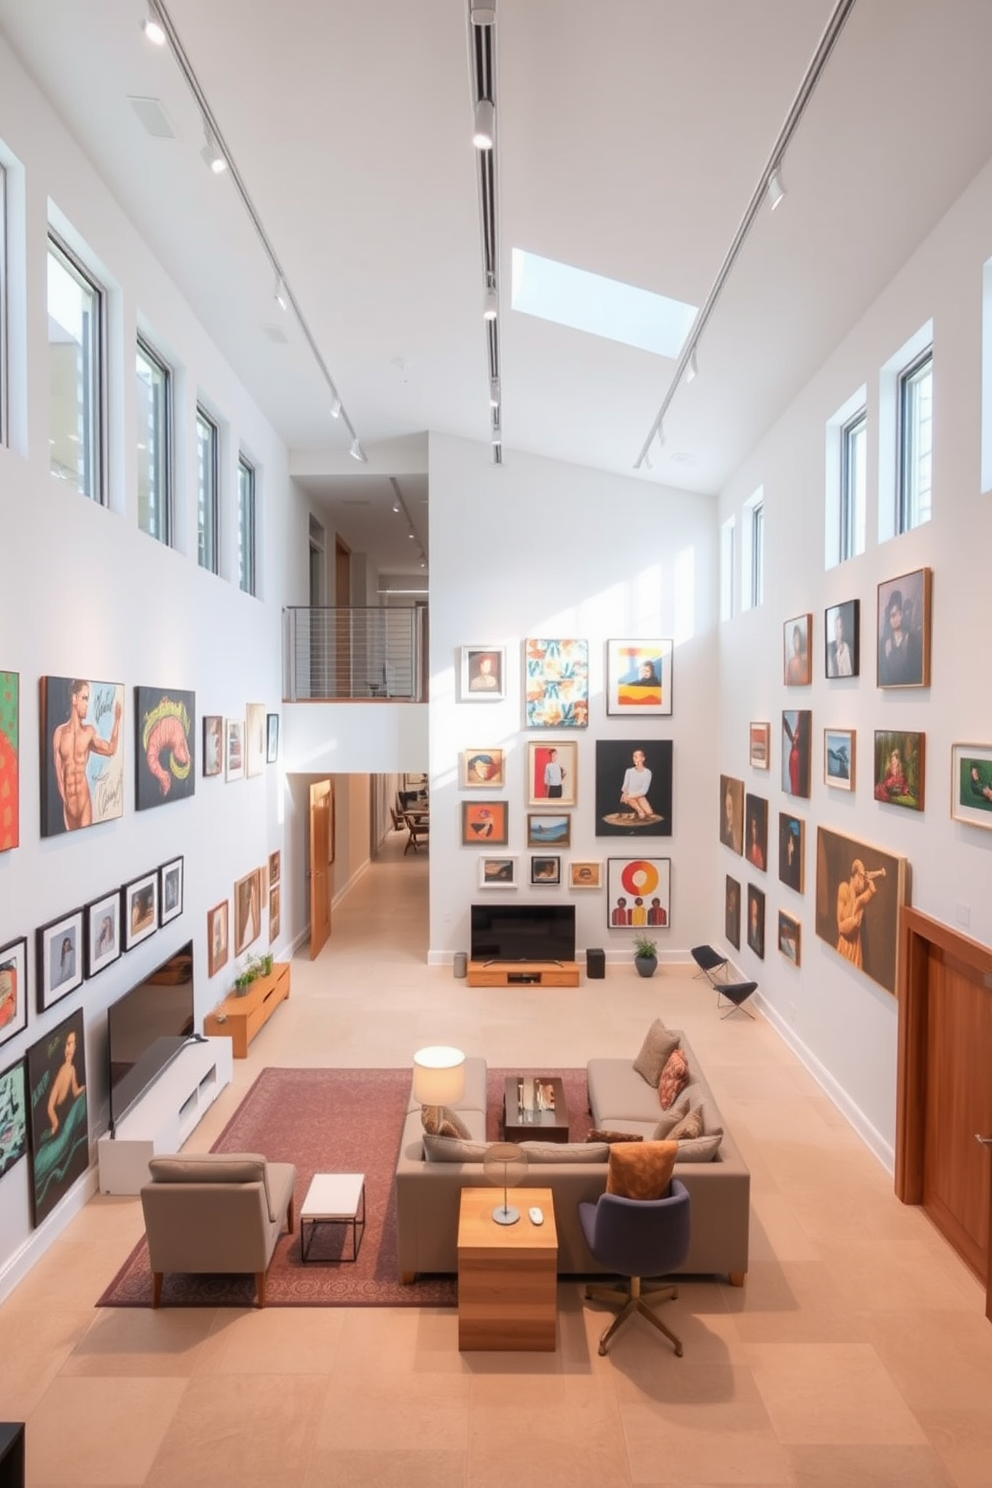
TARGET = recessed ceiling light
(153,31)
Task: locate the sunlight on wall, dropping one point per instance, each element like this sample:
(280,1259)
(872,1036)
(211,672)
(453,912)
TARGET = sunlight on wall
(684,627)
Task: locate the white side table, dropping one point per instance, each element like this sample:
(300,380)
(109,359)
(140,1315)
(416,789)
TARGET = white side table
(334,1198)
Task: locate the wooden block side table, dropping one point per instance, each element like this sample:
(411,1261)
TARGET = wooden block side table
(507,1274)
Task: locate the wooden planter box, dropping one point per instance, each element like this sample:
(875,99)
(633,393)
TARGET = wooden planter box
(240,1018)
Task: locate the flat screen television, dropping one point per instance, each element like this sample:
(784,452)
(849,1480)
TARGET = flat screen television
(146,1029)
(523,932)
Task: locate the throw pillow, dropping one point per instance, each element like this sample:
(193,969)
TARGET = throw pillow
(641,1170)
(688,1128)
(672,1118)
(657,1046)
(613,1136)
(442,1121)
(701,1149)
(673,1077)
(453,1149)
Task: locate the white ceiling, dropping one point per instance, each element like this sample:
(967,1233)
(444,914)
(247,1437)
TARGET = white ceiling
(631,135)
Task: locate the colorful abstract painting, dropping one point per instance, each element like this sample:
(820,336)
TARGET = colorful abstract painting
(165,746)
(82,753)
(557,674)
(9,812)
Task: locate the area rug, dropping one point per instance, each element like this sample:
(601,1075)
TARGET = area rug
(326,1121)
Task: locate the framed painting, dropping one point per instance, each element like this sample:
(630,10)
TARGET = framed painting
(60,958)
(585,874)
(10,821)
(498,873)
(545,870)
(791,850)
(57,1115)
(790,942)
(732,813)
(254,739)
(633,787)
(170,890)
(971,784)
(271,738)
(14,1106)
(552,774)
(900,768)
(247,910)
(140,909)
(797,725)
(756,920)
(485,821)
(275,867)
(275,912)
(102,918)
(903,630)
(557,684)
(842,639)
(218,945)
(13,989)
(638,893)
(859,891)
(544,829)
(838,758)
(234,749)
(482,769)
(213,744)
(166,746)
(482,674)
(797,663)
(82,754)
(759,746)
(732,911)
(756,831)
(639,679)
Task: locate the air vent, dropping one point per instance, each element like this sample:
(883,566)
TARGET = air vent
(153,117)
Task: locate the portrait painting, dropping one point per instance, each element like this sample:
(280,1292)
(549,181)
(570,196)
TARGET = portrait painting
(10,821)
(498,873)
(971,784)
(903,631)
(140,909)
(234,749)
(275,867)
(639,678)
(732,813)
(482,769)
(838,758)
(165,760)
(797,663)
(482,674)
(545,829)
(13,1116)
(756,920)
(13,989)
(552,774)
(790,937)
(638,893)
(271,738)
(756,831)
(60,964)
(759,746)
(859,890)
(545,870)
(247,910)
(633,787)
(102,919)
(57,1114)
(218,948)
(797,725)
(213,744)
(485,821)
(791,850)
(585,874)
(557,684)
(170,891)
(842,639)
(82,753)
(275,912)
(254,739)
(732,912)
(900,768)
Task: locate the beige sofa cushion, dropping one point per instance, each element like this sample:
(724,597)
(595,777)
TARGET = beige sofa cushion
(453,1149)
(209,1167)
(565,1152)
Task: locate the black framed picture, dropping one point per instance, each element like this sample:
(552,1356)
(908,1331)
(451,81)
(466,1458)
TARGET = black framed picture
(634,787)
(170,891)
(140,909)
(791,850)
(60,958)
(756,920)
(732,912)
(58,1119)
(13,1116)
(103,932)
(13,988)
(842,639)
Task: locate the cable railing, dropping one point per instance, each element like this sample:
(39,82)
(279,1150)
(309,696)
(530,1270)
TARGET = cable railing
(337,654)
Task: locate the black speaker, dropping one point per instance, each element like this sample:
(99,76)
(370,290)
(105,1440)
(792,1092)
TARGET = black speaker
(595,964)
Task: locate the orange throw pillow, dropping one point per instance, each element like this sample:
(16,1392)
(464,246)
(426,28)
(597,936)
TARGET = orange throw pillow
(641,1170)
(673,1077)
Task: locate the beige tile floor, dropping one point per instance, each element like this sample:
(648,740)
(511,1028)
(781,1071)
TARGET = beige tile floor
(856,1356)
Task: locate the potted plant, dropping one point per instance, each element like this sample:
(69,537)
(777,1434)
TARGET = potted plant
(645,955)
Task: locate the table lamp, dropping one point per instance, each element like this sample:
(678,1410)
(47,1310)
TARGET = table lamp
(505,1163)
(438,1075)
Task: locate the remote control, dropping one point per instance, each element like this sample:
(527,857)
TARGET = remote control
(536,1216)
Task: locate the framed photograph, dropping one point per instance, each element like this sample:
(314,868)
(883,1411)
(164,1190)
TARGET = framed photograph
(14,1126)
(903,631)
(275,912)
(271,738)
(552,774)
(60,958)
(165,758)
(213,744)
(234,749)
(585,874)
(732,813)
(482,769)
(639,679)
(759,746)
(557,684)
(859,891)
(797,726)
(838,758)
(498,873)
(790,938)
(10,828)
(633,787)
(756,831)
(254,739)
(218,945)
(103,938)
(485,821)
(791,850)
(756,920)
(13,989)
(140,909)
(900,768)
(170,891)
(247,910)
(547,830)
(842,639)
(638,893)
(971,784)
(275,867)
(797,663)
(57,1115)
(732,912)
(545,870)
(482,674)
(82,754)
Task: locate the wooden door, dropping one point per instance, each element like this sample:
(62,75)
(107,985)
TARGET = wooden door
(321,855)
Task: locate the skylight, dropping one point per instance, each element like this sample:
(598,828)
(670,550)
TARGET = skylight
(603,307)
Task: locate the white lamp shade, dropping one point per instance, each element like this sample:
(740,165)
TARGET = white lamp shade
(438,1075)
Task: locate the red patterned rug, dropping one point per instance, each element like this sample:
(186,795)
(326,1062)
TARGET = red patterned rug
(325,1121)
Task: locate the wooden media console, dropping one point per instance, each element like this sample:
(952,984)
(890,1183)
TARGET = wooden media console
(241,1017)
(523,974)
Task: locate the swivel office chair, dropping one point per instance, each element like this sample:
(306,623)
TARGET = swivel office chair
(637,1238)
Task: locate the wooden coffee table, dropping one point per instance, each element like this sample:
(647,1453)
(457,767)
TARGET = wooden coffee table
(507,1274)
(547,1125)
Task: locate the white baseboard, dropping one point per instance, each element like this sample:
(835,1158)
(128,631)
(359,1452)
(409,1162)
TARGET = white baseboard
(35,1246)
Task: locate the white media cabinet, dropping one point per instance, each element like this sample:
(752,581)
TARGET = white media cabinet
(162,1118)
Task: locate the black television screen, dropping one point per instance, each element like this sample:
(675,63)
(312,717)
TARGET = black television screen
(523,932)
(147,1027)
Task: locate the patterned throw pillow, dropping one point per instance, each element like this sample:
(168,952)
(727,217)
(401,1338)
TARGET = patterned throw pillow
(641,1170)
(673,1077)
(442,1121)
(688,1128)
(671,1118)
(658,1044)
(613,1136)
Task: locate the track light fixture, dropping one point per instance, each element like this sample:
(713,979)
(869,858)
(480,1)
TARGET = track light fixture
(212,153)
(482,15)
(396,508)
(485,124)
(335,406)
(411,536)
(692,368)
(357,453)
(494,392)
(153,31)
(281,297)
(490,304)
(776,191)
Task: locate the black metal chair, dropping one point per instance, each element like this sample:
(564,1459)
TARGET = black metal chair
(737,993)
(638,1237)
(709,961)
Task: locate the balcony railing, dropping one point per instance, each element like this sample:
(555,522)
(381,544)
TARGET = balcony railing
(333,653)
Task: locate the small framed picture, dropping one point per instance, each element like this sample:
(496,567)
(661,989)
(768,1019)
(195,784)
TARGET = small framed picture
(547,830)
(248,908)
(275,912)
(838,758)
(482,769)
(485,821)
(170,891)
(760,745)
(482,674)
(14,1105)
(791,850)
(795,639)
(732,813)
(842,639)
(275,867)
(797,724)
(213,744)
(498,873)
(218,937)
(971,784)
(545,870)
(900,761)
(639,678)
(140,909)
(13,989)
(585,874)
(271,738)
(732,912)
(756,831)
(904,630)
(234,749)
(756,920)
(790,938)
(552,773)
(103,932)
(60,958)
(638,893)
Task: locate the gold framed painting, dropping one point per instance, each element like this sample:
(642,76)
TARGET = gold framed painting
(482,769)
